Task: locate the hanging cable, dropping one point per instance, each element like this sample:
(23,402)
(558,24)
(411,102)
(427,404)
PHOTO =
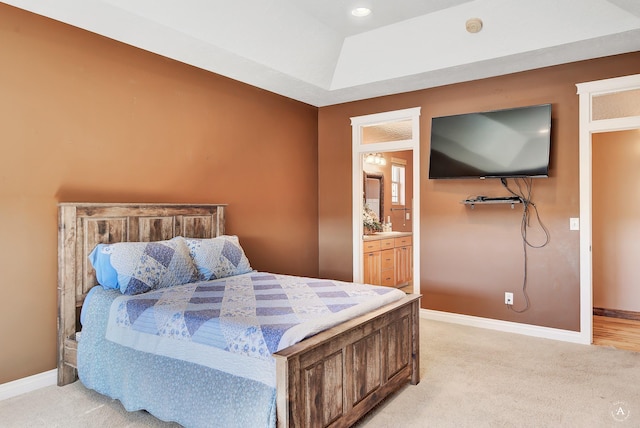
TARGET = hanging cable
(523,193)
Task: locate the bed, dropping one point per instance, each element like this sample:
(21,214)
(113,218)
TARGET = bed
(331,378)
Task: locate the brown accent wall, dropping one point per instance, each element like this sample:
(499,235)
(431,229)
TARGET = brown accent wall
(616,220)
(469,258)
(88,119)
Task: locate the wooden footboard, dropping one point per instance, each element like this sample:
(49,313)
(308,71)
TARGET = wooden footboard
(335,377)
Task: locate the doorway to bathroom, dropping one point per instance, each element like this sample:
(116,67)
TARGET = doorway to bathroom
(386,198)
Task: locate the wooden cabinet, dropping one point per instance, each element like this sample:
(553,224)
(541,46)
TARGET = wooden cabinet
(372,263)
(403,260)
(388,261)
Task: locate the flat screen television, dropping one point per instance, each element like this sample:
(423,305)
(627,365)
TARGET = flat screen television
(507,143)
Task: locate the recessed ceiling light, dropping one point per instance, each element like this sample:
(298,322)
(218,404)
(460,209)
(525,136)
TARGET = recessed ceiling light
(361,11)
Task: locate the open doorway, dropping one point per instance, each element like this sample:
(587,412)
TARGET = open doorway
(608,105)
(386,195)
(615,209)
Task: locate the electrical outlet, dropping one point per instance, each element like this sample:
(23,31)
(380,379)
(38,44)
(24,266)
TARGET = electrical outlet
(508,298)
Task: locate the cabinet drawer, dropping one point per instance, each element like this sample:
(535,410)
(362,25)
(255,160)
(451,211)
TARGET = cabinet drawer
(371,246)
(387,278)
(386,244)
(403,241)
(387,259)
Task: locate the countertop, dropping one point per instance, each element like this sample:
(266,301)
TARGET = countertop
(385,235)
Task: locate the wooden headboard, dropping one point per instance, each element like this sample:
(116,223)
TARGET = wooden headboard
(81,226)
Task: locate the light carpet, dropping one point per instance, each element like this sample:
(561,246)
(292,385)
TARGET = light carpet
(470,377)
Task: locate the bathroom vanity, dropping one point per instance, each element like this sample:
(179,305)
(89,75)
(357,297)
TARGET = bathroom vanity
(388,259)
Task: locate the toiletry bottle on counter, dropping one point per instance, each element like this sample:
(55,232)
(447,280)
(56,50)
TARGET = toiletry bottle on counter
(386,227)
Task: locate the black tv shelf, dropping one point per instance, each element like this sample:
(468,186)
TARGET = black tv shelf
(487,200)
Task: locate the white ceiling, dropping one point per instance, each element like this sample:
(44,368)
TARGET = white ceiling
(314,51)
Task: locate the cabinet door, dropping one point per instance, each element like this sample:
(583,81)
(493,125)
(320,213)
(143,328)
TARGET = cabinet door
(403,265)
(372,263)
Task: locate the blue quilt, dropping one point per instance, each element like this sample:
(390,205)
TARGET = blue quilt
(235,324)
(191,394)
(201,354)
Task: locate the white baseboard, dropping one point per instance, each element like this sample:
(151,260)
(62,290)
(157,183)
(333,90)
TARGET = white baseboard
(506,326)
(28,384)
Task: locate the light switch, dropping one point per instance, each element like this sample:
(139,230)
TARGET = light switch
(574,223)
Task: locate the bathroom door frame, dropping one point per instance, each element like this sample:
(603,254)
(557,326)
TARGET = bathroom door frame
(359,148)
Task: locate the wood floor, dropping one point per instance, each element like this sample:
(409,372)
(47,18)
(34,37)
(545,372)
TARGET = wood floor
(619,333)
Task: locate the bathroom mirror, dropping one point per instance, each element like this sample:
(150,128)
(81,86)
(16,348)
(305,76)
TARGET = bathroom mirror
(374,192)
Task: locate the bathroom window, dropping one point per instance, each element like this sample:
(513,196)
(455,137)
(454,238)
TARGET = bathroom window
(397,184)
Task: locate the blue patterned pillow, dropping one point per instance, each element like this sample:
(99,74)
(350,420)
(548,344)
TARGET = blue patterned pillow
(138,267)
(218,257)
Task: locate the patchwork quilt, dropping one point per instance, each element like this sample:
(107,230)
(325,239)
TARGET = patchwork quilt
(235,324)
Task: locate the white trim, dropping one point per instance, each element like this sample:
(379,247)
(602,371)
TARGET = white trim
(389,116)
(615,84)
(28,384)
(357,150)
(584,159)
(619,124)
(588,127)
(505,326)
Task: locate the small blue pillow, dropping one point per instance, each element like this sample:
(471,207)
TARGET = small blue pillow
(138,267)
(218,257)
(106,275)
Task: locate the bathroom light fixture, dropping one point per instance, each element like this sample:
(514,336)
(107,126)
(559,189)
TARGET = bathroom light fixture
(361,12)
(375,159)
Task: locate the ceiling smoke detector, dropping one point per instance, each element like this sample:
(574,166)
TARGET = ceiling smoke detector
(474,25)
